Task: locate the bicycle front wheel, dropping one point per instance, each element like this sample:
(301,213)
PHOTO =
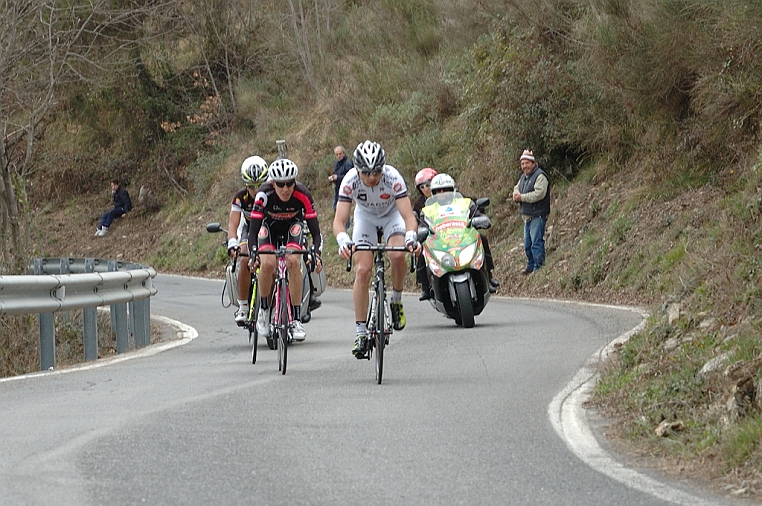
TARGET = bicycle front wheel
(254,304)
(283,312)
(379,331)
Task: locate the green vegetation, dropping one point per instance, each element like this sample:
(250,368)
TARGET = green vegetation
(645,114)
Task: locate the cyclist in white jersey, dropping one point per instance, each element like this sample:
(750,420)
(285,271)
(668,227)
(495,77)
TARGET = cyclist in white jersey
(381,201)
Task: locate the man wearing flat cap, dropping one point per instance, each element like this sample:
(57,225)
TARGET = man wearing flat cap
(532,193)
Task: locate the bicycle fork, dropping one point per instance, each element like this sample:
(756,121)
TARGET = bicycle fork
(373,316)
(277,308)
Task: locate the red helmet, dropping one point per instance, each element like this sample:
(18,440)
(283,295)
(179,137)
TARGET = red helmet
(425,175)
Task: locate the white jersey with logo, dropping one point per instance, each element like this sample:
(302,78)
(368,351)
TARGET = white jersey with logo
(379,200)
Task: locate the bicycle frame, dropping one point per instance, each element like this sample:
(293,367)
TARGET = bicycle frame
(280,307)
(378,321)
(251,318)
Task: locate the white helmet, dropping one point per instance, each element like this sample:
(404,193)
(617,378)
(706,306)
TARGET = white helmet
(282,170)
(442,182)
(369,157)
(254,171)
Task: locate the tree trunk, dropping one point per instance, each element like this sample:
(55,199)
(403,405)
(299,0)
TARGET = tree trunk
(10,227)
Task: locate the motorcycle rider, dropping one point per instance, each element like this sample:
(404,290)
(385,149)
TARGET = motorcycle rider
(382,201)
(423,185)
(253,174)
(443,185)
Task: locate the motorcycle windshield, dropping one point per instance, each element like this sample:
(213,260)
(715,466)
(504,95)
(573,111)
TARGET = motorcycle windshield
(447,216)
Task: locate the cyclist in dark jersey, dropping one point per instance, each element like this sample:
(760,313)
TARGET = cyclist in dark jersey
(281,206)
(253,174)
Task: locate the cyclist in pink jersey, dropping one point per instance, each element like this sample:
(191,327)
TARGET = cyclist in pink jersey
(280,208)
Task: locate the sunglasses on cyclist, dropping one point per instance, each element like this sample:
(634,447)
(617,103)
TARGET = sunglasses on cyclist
(370,172)
(424,185)
(282,184)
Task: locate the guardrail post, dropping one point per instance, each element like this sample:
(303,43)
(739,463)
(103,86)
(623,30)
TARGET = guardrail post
(140,316)
(131,323)
(90,328)
(119,320)
(112,268)
(90,322)
(63,268)
(47,341)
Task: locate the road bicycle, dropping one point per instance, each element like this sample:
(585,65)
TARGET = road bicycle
(280,305)
(379,319)
(231,289)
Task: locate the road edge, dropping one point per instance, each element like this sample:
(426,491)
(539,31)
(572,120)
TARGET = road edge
(568,417)
(184,334)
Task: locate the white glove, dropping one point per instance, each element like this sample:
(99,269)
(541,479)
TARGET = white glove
(344,241)
(232,243)
(411,239)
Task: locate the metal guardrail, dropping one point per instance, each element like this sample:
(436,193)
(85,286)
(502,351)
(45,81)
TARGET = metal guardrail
(64,284)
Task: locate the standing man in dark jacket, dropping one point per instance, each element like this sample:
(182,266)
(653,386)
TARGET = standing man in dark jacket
(122,205)
(341,166)
(533,196)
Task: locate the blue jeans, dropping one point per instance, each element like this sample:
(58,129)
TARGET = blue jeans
(110,216)
(534,242)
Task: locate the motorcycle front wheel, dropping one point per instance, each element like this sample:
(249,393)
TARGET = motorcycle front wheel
(465,304)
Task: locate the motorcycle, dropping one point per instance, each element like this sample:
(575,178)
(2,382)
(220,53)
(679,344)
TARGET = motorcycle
(454,256)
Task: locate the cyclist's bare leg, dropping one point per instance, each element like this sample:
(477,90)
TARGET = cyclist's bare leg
(363,261)
(398,261)
(293,264)
(267,264)
(244,275)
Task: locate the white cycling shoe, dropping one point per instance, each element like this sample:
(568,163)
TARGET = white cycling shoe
(263,322)
(297,331)
(241,315)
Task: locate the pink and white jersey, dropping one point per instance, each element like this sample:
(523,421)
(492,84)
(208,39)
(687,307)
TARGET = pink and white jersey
(379,200)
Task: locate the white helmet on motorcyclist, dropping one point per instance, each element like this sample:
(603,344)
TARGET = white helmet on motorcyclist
(442,183)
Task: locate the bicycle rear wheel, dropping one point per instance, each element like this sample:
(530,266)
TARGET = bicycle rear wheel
(283,312)
(379,332)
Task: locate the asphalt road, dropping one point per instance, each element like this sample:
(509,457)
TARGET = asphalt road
(462,416)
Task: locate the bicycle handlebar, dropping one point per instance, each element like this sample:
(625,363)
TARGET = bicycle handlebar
(234,258)
(380,247)
(284,251)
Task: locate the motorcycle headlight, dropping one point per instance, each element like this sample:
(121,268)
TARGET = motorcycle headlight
(467,254)
(446,259)
(432,261)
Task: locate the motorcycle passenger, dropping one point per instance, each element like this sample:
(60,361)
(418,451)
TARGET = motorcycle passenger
(253,174)
(381,201)
(442,187)
(281,206)
(423,185)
